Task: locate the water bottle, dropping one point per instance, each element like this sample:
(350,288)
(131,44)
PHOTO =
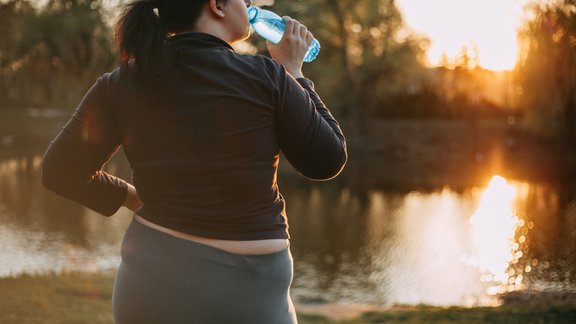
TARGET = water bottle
(271,26)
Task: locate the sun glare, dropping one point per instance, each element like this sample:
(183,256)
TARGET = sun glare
(487,28)
(493,226)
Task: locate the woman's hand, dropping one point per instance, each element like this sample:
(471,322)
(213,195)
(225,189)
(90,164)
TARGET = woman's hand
(292,48)
(132,200)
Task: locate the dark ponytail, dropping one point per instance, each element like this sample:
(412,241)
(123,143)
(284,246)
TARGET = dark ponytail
(140,38)
(141,34)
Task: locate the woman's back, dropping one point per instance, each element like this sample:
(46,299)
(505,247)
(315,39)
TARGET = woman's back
(205,151)
(204,157)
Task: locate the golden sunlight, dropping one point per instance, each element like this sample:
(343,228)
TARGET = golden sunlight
(486,28)
(493,226)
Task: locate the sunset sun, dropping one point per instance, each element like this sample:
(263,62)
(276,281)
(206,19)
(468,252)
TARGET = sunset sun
(486,28)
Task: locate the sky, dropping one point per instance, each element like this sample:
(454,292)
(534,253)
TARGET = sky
(490,26)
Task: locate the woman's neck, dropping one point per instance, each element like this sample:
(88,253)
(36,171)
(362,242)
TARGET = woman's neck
(210,26)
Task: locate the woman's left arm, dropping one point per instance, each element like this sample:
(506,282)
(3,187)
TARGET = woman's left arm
(72,165)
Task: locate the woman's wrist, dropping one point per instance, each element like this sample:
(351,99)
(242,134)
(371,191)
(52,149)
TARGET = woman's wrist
(295,73)
(132,200)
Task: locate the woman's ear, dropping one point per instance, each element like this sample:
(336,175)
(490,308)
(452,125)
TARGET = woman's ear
(216,8)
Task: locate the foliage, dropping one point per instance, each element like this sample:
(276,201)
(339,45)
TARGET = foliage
(369,65)
(547,69)
(51,55)
(366,55)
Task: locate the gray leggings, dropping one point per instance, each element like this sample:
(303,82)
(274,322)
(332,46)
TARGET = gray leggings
(164,280)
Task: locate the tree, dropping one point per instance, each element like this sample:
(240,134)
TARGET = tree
(547,69)
(51,55)
(365,58)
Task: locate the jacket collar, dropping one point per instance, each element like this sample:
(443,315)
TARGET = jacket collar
(197,40)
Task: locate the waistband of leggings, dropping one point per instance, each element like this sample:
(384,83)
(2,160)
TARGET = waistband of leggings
(186,248)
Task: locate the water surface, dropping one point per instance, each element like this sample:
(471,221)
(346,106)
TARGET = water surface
(441,247)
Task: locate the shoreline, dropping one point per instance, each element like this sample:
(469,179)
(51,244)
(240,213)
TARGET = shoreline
(76,297)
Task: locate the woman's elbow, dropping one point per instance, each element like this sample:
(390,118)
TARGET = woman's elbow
(50,175)
(329,171)
(47,176)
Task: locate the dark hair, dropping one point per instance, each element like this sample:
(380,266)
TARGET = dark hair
(141,33)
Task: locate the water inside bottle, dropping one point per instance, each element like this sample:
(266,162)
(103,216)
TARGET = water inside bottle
(270,29)
(313,51)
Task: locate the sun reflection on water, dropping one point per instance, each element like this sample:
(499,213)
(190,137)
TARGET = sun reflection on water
(494,226)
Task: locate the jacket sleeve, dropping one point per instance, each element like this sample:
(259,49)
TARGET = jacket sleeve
(309,136)
(72,164)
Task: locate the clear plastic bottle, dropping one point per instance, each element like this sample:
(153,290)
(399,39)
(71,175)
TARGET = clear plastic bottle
(271,26)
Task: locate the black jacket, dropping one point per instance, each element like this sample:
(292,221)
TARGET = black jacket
(204,158)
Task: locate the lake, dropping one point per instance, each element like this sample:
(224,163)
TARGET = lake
(441,245)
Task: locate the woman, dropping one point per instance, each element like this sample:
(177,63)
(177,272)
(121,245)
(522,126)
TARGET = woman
(202,127)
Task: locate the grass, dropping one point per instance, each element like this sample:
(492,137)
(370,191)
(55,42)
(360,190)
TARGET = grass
(67,298)
(504,314)
(86,298)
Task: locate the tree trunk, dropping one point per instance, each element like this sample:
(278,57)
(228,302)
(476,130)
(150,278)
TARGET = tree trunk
(352,100)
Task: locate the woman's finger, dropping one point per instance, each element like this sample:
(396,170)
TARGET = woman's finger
(289,26)
(309,38)
(303,31)
(297,26)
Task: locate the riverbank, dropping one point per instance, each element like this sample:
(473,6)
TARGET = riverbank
(403,154)
(86,298)
(456,153)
